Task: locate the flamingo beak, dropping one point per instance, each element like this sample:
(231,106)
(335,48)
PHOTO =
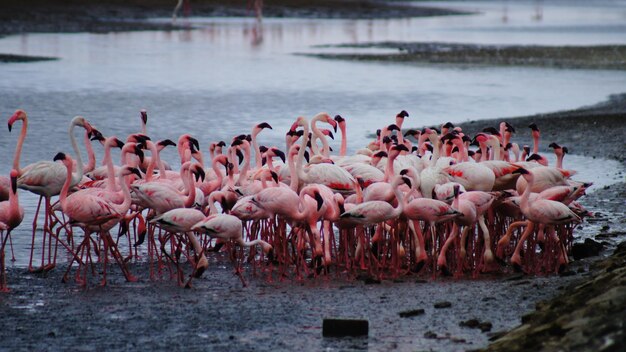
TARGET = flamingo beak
(279,154)
(14,183)
(139,152)
(320,200)
(333,123)
(407,181)
(135,171)
(306,155)
(274,176)
(59,156)
(144,116)
(264,125)
(200,174)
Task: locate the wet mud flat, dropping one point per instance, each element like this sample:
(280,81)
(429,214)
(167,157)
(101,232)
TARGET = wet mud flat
(611,57)
(43,313)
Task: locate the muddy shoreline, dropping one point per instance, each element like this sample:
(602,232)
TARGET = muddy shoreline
(604,57)
(69,16)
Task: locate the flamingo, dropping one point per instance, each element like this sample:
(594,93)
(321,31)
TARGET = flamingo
(45,178)
(542,211)
(181,220)
(95,213)
(11,215)
(229,228)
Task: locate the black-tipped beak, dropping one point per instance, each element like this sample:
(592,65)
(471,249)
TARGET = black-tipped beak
(280,154)
(14,184)
(135,171)
(403,114)
(404,172)
(237,141)
(378,132)
(338,118)
(229,168)
(119,143)
(509,127)
(239,156)
(456,190)
(274,176)
(449,125)
(381,154)
(139,152)
(144,116)
(565,150)
(521,171)
(194,142)
(167,142)
(10,126)
(330,134)
(534,157)
(553,145)
(264,125)
(263,161)
(319,199)
(59,156)
(401,147)
(533,126)
(221,144)
(306,155)
(262,149)
(393,127)
(200,174)
(407,181)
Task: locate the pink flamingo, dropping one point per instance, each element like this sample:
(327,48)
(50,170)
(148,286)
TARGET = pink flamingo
(229,228)
(95,213)
(560,153)
(11,215)
(46,178)
(542,211)
(181,220)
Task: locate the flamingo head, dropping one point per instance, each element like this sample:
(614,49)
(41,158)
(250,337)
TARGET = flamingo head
(129,170)
(407,181)
(96,135)
(138,138)
(300,121)
(14,174)
(82,122)
(19,114)
(331,121)
(138,150)
(274,176)
(198,171)
(144,116)
(491,130)
(277,152)
(117,143)
(328,133)
(341,122)
(413,133)
(509,128)
(393,127)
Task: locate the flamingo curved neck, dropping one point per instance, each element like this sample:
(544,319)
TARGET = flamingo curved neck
(91,163)
(20,143)
(78,175)
(319,135)
(344,140)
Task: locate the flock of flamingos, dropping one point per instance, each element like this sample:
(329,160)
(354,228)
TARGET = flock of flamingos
(418,201)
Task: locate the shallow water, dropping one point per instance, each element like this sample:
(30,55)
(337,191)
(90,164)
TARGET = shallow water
(221,76)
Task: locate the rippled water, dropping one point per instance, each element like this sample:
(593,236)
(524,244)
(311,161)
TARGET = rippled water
(222,76)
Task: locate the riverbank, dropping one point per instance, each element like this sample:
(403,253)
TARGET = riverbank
(69,16)
(606,57)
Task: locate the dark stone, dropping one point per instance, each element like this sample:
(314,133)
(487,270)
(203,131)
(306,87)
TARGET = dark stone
(589,248)
(337,327)
(430,335)
(443,304)
(411,313)
(485,326)
(471,323)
